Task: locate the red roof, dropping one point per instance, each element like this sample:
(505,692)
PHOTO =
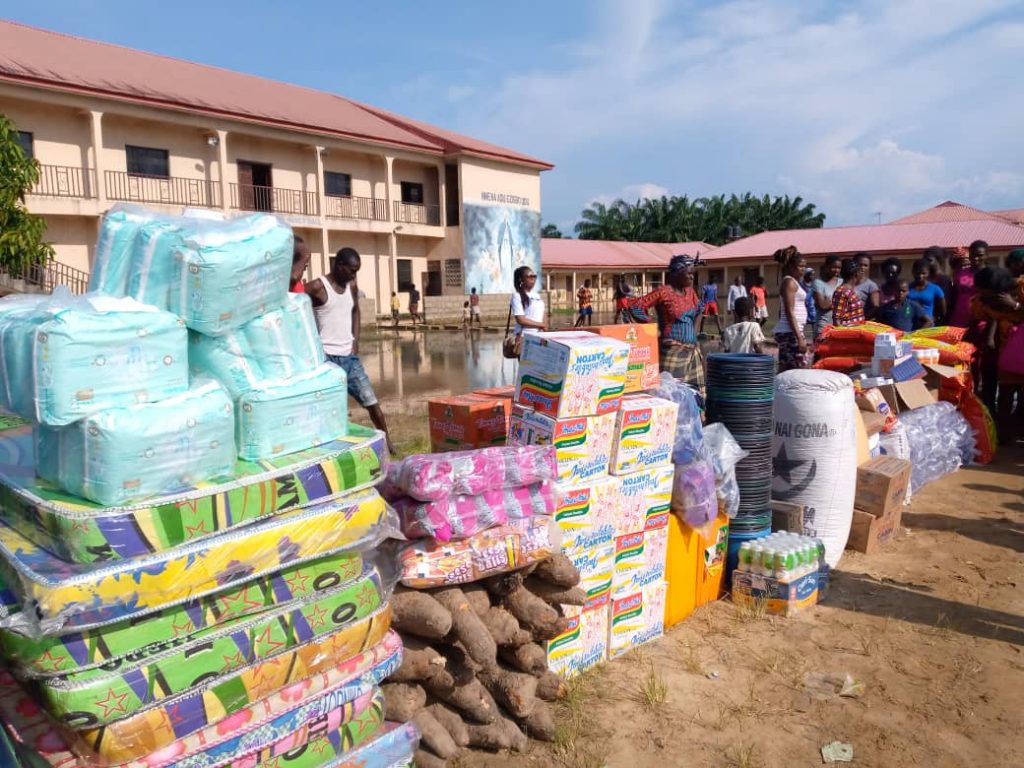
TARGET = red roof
(1014,215)
(948,211)
(878,238)
(51,60)
(565,253)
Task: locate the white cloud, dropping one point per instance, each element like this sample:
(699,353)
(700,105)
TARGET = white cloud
(871,103)
(631,193)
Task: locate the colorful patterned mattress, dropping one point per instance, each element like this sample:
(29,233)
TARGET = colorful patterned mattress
(139,680)
(84,532)
(393,748)
(55,594)
(340,704)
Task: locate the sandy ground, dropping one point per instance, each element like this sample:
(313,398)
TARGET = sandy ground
(931,628)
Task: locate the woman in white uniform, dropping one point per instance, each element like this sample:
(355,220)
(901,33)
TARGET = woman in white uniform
(527,306)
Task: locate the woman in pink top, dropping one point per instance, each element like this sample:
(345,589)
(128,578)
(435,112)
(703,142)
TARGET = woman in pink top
(963,282)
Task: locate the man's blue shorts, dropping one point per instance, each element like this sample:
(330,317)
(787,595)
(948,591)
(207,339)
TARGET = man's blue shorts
(359,386)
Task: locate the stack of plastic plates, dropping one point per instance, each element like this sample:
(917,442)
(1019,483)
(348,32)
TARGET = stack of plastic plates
(740,395)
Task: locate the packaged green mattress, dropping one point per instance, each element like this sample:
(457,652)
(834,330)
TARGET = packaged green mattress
(161,630)
(84,532)
(54,594)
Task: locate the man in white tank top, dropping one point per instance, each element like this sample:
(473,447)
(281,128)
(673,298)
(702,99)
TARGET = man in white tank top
(335,299)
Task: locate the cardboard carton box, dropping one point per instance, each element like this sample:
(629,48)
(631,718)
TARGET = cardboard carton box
(586,509)
(583,444)
(595,563)
(869,532)
(644,436)
(636,618)
(639,560)
(461,422)
(583,644)
(506,392)
(780,598)
(882,485)
(787,516)
(645,500)
(570,374)
(907,395)
(643,371)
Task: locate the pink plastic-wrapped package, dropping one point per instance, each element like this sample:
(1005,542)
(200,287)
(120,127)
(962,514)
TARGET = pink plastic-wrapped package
(439,476)
(458,517)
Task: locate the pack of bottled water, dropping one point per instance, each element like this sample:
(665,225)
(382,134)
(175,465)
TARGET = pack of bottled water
(782,555)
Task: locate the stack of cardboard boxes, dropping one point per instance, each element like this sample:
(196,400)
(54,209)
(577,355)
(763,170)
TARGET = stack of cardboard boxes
(878,507)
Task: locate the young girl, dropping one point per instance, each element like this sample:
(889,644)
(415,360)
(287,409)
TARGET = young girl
(789,330)
(760,297)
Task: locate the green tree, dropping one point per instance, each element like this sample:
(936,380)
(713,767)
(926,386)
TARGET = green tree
(550,230)
(21,233)
(708,219)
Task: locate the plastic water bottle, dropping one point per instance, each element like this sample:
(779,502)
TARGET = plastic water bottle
(746,552)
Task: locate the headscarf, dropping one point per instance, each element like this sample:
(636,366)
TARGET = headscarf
(680,262)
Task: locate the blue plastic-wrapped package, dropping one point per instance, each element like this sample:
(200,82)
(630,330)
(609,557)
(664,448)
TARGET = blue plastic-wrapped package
(155,262)
(115,247)
(98,352)
(122,455)
(18,321)
(308,410)
(275,346)
(230,272)
(286,340)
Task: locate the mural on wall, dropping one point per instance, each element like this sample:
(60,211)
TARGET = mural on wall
(498,238)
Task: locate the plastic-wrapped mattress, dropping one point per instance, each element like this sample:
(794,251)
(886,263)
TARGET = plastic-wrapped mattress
(81,695)
(55,594)
(305,705)
(84,532)
(164,628)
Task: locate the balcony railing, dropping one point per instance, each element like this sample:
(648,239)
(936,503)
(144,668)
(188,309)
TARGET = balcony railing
(250,197)
(357,208)
(410,213)
(65,181)
(169,190)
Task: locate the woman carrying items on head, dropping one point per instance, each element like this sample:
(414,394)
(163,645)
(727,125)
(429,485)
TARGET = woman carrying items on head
(527,306)
(677,306)
(789,330)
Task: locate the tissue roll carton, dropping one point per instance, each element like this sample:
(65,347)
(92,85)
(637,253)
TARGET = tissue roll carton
(636,618)
(639,560)
(583,644)
(643,371)
(645,500)
(582,445)
(586,509)
(595,563)
(571,374)
(644,436)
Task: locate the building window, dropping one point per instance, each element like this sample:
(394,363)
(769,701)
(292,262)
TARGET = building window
(404,268)
(337,184)
(412,193)
(26,144)
(453,273)
(146,161)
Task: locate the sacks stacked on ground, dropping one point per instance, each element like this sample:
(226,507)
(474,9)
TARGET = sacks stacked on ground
(475,673)
(615,486)
(240,618)
(843,348)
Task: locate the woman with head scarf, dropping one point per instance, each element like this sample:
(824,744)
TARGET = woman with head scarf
(677,307)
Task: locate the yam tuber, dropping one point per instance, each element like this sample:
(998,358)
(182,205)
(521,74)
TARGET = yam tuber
(540,724)
(551,687)
(434,736)
(461,668)
(402,701)
(452,722)
(424,759)
(478,598)
(471,699)
(529,658)
(558,570)
(467,627)
(515,691)
(504,628)
(418,613)
(504,583)
(419,662)
(534,614)
(499,735)
(554,595)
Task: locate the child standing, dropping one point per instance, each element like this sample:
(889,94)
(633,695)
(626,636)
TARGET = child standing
(745,335)
(395,308)
(760,296)
(465,314)
(902,313)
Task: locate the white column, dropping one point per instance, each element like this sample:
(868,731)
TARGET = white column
(222,168)
(321,197)
(99,166)
(393,254)
(600,289)
(442,192)
(325,250)
(643,283)
(389,164)
(571,299)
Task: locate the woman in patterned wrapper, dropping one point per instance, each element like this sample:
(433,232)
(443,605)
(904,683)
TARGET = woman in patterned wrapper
(677,306)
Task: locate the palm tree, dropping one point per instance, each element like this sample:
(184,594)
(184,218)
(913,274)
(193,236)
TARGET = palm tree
(601,222)
(550,230)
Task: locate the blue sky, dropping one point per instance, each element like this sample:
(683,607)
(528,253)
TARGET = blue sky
(861,106)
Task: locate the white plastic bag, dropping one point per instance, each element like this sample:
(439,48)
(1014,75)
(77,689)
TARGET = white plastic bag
(724,453)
